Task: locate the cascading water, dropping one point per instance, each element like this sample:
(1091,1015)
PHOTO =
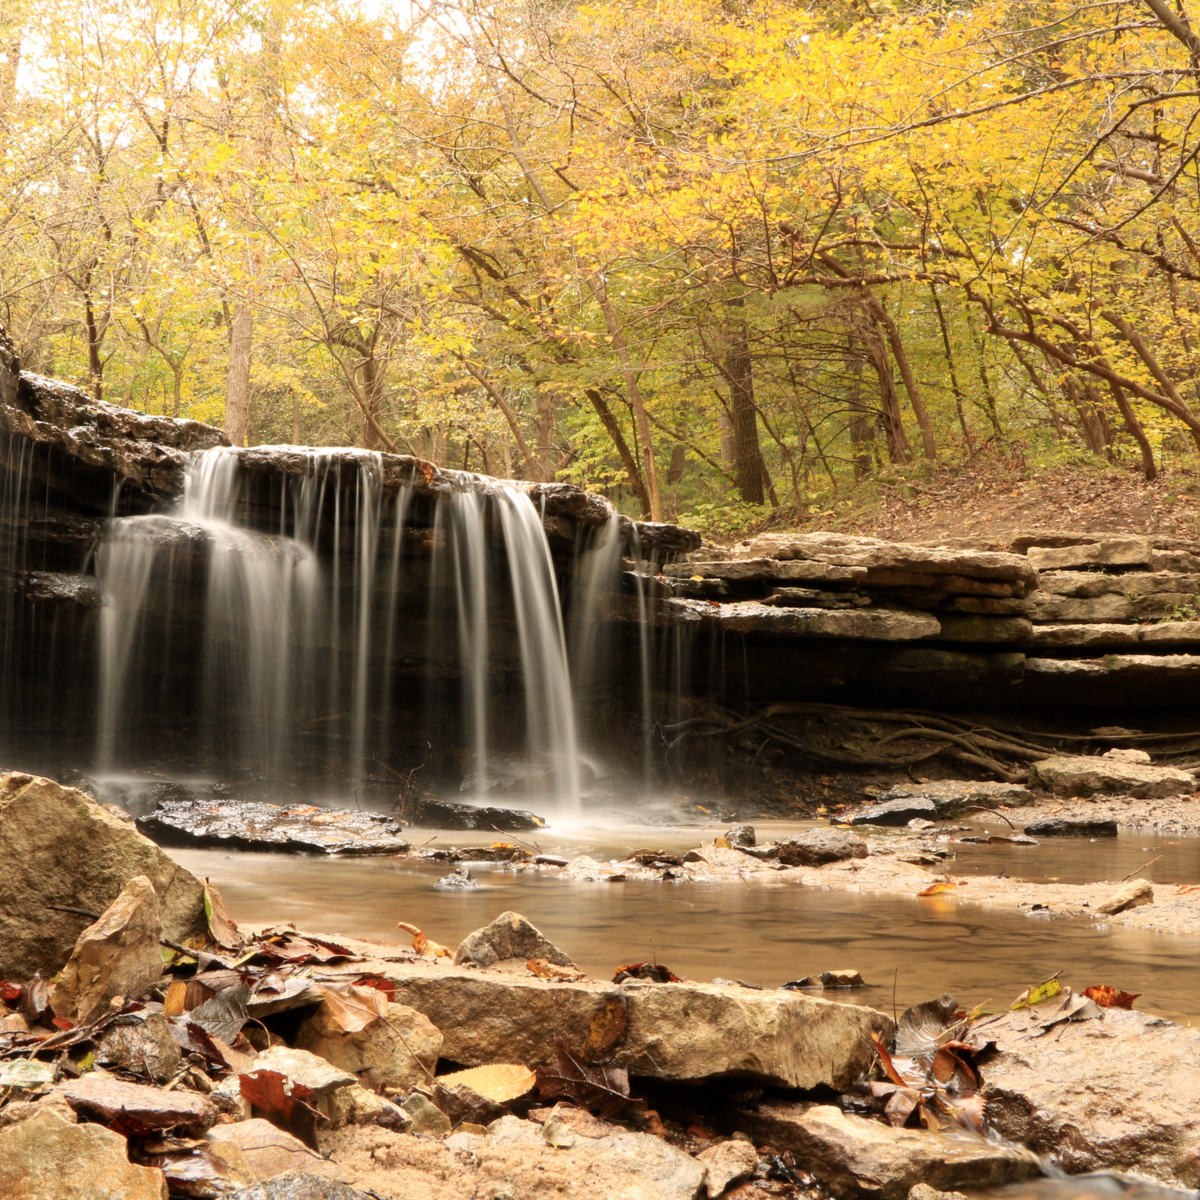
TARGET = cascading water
(296,653)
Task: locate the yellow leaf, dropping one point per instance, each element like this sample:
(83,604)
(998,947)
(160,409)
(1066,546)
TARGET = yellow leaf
(1031,996)
(500,1082)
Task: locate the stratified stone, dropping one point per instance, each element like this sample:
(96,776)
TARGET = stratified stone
(59,846)
(1111,552)
(952,796)
(510,935)
(816,847)
(856,1157)
(868,624)
(107,1100)
(894,812)
(48,1158)
(971,627)
(1071,775)
(119,955)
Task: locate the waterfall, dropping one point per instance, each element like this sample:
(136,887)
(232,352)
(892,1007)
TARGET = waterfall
(291,649)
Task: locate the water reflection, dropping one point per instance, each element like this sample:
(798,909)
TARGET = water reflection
(768,935)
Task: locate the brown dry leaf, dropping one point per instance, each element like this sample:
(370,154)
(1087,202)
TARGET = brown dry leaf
(264,1090)
(607,1028)
(1111,997)
(935,889)
(173,1002)
(601,1090)
(499,1082)
(543,968)
(1188,887)
(650,972)
(900,1106)
(353,1008)
(885,1060)
(224,932)
(423,945)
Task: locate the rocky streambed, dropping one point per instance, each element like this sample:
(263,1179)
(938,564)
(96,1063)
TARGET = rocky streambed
(149,1046)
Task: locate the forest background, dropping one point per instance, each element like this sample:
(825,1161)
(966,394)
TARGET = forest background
(729,261)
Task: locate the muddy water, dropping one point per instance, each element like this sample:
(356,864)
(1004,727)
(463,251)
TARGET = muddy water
(763,934)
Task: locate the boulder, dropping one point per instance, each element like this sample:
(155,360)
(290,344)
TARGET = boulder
(395,1048)
(726,1163)
(59,846)
(1127,756)
(48,1158)
(509,936)
(1071,775)
(855,1156)
(322,1078)
(290,829)
(106,1100)
(430,813)
(820,846)
(270,1152)
(953,796)
(1132,895)
(1072,827)
(741,837)
(1117,1094)
(515,1158)
(895,812)
(674,1030)
(118,956)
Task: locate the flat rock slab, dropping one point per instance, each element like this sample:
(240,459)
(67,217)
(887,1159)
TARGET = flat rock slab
(895,812)
(59,846)
(951,796)
(867,624)
(674,1030)
(1072,775)
(819,846)
(48,1158)
(429,813)
(107,1100)
(1119,1093)
(859,1157)
(1076,827)
(251,825)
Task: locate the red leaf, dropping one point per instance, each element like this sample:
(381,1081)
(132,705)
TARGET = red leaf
(1111,997)
(268,1098)
(9,991)
(602,1090)
(386,986)
(62,1023)
(885,1059)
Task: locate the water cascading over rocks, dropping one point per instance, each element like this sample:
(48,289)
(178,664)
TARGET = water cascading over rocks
(293,656)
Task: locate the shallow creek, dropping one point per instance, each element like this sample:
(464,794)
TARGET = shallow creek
(752,931)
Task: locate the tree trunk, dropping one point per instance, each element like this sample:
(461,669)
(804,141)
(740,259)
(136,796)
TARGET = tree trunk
(628,458)
(889,402)
(368,426)
(237,387)
(748,465)
(1134,426)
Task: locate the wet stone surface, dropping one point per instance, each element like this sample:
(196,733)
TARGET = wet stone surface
(251,825)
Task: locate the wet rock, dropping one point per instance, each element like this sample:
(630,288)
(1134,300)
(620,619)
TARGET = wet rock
(397,1048)
(1081,827)
(820,846)
(621,1166)
(429,813)
(271,1152)
(1116,1094)
(296,1185)
(741,837)
(829,979)
(1081,776)
(251,825)
(867,624)
(859,1157)
(726,1163)
(424,1116)
(47,1157)
(119,955)
(1132,895)
(953,796)
(674,1030)
(140,1043)
(107,1100)
(509,936)
(59,846)
(894,812)
(458,879)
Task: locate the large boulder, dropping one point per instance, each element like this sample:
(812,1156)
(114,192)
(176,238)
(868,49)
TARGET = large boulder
(1120,1093)
(817,847)
(674,1030)
(58,846)
(1076,775)
(510,935)
(49,1158)
(857,1157)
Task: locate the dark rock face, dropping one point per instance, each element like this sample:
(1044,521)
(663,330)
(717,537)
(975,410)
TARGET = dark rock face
(1071,827)
(896,812)
(439,814)
(248,825)
(820,846)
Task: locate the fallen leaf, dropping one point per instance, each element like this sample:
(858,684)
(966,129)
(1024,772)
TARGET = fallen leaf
(1074,1008)
(722,843)
(607,1028)
(950,1068)
(601,1090)
(427,471)
(224,932)
(885,1061)
(224,1015)
(1188,887)
(1110,997)
(649,972)
(935,889)
(386,986)
(922,1028)
(265,1092)
(499,1082)
(9,991)
(353,1008)
(421,944)
(900,1106)
(543,968)
(504,845)
(1037,995)
(173,1002)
